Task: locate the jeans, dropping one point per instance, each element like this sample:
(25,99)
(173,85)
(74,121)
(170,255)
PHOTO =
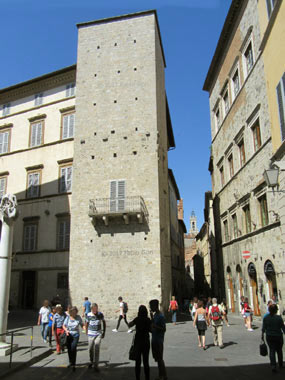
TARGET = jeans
(71,344)
(124,317)
(94,348)
(173,312)
(44,330)
(275,344)
(142,351)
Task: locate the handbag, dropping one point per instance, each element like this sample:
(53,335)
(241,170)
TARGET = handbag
(63,339)
(263,348)
(133,351)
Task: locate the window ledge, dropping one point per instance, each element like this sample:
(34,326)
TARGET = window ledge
(253,233)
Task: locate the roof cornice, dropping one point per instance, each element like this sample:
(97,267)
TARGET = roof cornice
(44,82)
(234,14)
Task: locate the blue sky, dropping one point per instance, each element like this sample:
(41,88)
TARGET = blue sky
(40,36)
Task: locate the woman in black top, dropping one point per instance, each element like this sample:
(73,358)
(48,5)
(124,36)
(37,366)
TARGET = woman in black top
(141,341)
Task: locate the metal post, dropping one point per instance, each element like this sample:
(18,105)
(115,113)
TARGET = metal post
(32,329)
(11,353)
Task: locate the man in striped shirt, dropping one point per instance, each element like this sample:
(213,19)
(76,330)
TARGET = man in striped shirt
(95,327)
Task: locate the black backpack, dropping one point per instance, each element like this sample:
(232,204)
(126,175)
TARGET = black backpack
(125,307)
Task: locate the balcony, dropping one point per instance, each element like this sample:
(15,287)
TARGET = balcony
(110,208)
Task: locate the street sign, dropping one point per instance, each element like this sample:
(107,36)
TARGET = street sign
(246,255)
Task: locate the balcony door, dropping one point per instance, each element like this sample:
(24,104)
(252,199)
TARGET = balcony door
(117,196)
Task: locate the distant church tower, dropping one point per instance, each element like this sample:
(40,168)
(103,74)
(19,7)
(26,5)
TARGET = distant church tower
(193,224)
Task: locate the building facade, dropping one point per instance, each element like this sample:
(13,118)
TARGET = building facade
(37,120)
(248,226)
(94,199)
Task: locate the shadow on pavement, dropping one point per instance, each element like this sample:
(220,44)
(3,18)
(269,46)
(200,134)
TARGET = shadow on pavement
(116,371)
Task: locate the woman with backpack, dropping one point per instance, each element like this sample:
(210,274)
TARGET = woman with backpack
(173,307)
(247,314)
(273,327)
(201,321)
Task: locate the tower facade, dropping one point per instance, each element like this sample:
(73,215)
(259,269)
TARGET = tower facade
(120,230)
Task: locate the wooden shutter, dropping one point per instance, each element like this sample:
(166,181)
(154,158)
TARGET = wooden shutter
(2,186)
(39,133)
(33,236)
(113,195)
(281,105)
(33,135)
(121,195)
(65,127)
(27,238)
(1,143)
(62,187)
(71,125)
(68,178)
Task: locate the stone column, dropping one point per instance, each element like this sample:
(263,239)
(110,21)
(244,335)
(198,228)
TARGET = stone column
(8,205)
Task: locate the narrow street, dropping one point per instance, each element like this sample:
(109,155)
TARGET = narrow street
(238,360)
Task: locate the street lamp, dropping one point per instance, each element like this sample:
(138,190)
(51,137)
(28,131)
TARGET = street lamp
(271,176)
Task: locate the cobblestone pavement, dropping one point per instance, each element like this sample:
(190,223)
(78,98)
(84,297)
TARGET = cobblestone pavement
(238,360)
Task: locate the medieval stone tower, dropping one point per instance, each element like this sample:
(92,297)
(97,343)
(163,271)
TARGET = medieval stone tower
(120,240)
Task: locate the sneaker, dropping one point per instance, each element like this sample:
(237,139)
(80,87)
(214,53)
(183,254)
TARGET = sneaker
(115,330)
(45,341)
(130,331)
(249,329)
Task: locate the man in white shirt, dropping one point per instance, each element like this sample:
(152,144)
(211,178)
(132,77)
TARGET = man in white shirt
(216,316)
(123,315)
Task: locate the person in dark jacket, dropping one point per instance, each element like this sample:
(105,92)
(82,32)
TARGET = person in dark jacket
(141,341)
(273,326)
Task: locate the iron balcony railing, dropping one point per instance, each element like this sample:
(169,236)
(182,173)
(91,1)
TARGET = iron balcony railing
(112,206)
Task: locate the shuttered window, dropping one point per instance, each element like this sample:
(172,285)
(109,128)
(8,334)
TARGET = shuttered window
(4,142)
(3,183)
(117,195)
(33,185)
(36,134)
(65,179)
(68,123)
(263,210)
(281,105)
(39,99)
(63,233)
(256,135)
(70,90)
(30,236)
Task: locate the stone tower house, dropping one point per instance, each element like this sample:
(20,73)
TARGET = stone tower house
(120,231)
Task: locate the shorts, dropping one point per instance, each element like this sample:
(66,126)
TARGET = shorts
(247,314)
(157,351)
(201,332)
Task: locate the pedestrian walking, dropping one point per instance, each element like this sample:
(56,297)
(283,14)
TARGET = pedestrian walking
(225,310)
(123,314)
(57,327)
(273,327)
(216,317)
(242,311)
(43,319)
(141,341)
(86,310)
(173,307)
(248,314)
(194,307)
(201,321)
(50,321)
(158,329)
(71,327)
(95,328)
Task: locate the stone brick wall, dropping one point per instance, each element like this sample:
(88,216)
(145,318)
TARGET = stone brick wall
(121,134)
